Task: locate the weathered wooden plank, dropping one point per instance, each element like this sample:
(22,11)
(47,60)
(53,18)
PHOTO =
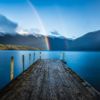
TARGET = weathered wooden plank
(49,80)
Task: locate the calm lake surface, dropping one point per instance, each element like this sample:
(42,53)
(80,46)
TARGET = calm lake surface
(85,64)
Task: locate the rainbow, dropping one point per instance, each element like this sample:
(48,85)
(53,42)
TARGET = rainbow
(41,25)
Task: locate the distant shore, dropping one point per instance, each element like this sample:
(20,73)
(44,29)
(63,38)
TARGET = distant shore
(16,47)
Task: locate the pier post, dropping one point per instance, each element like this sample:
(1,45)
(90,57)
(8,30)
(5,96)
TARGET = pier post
(29,58)
(63,56)
(23,61)
(40,55)
(34,55)
(12,68)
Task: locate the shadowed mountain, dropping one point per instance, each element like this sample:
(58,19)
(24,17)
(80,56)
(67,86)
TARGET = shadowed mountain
(24,40)
(58,43)
(87,42)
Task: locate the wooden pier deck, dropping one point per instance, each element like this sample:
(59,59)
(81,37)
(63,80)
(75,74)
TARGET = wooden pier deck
(49,80)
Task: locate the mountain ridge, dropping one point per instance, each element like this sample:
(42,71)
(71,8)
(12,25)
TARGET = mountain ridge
(87,42)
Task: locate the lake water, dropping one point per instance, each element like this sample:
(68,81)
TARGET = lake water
(85,64)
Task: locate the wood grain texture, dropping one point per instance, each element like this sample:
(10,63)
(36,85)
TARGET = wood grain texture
(49,80)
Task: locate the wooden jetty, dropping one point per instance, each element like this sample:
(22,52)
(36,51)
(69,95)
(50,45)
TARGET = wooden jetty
(49,80)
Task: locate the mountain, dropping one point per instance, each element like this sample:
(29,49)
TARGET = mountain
(24,40)
(87,42)
(57,43)
(36,41)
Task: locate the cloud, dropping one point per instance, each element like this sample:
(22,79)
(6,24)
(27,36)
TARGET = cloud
(55,33)
(7,26)
(31,31)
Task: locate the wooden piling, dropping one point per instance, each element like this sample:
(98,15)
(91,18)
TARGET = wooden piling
(63,56)
(34,56)
(23,62)
(40,54)
(12,68)
(29,58)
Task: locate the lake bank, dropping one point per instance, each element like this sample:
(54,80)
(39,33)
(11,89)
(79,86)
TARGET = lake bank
(16,47)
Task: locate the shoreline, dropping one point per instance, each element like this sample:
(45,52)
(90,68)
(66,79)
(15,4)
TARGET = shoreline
(16,47)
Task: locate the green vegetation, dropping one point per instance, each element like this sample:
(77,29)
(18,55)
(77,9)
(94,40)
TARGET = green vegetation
(16,47)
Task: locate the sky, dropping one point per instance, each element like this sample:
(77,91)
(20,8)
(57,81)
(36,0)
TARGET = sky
(70,18)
